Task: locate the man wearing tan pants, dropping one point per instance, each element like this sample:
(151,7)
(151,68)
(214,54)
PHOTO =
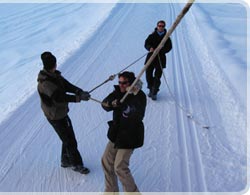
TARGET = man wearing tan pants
(116,162)
(126,132)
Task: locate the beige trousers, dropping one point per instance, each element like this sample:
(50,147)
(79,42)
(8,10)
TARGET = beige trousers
(115,162)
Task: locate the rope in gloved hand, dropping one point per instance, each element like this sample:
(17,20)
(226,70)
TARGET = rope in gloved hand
(117,103)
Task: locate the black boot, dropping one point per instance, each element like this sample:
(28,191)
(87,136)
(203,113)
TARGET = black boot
(154,97)
(155,88)
(154,93)
(81,169)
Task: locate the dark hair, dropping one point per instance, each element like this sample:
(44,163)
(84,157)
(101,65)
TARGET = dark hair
(161,21)
(128,75)
(49,60)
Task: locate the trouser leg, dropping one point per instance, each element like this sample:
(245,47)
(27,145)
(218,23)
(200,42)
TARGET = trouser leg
(65,155)
(149,76)
(65,131)
(108,159)
(122,170)
(157,80)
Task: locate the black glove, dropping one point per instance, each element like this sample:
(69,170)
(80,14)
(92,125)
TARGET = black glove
(78,91)
(84,95)
(116,103)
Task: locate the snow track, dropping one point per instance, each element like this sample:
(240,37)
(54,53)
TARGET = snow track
(178,154)
(192,168)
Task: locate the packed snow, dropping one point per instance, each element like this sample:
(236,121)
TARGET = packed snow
(206,79)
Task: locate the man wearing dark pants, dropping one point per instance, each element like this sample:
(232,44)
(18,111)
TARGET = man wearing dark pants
(154,71)
(53,89)
(65,132)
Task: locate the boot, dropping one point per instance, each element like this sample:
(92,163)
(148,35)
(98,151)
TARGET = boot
(155,88)
(154,97)
(81,169)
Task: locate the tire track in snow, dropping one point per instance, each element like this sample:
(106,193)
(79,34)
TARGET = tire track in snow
(192,164)
(185,177)
(219,149)
(195,164)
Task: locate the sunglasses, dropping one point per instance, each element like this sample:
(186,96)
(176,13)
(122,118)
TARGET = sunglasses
(123,82)
(161,26)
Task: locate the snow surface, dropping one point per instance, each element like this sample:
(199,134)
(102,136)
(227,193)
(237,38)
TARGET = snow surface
(206,72)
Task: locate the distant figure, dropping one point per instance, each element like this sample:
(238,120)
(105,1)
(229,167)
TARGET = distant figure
(154,71)
(53,88)
(126,132)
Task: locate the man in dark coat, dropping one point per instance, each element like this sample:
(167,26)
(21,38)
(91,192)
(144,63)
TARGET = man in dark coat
(154,71)
(126,132)
(53,88)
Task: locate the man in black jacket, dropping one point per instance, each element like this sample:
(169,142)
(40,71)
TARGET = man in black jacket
(154,71)
(126,132)
(53,88)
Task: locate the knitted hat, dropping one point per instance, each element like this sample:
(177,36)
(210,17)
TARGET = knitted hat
(49,60)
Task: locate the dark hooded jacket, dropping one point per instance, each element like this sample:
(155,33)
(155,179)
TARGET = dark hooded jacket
(126,131)
(152,41)
(53,88)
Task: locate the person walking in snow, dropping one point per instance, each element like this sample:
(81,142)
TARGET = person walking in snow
(154,71)
(125,133)
(52,88)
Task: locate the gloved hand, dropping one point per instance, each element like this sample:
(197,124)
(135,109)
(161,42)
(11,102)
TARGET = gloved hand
(137,87)
(78,98)
(116,103)
(78,91)
(84,95)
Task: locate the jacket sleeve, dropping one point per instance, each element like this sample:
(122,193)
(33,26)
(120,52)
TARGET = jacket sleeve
(108,100)
(61,97)
(167,46)
(148,43)
(69,87)
(51,91)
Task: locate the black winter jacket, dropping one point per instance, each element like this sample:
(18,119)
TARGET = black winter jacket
(153,41)
(53,88)
(126,131)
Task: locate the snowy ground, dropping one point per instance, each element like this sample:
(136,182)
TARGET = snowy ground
(206,72)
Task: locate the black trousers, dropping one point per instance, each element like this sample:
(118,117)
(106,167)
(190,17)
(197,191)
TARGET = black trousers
(153,77)
(64,130)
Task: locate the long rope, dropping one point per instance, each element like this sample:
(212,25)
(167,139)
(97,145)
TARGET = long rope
(112,77)
(188,113)
(163,41)
(98,101)
(155,53)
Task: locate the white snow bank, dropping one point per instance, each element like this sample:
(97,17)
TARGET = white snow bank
(26,30)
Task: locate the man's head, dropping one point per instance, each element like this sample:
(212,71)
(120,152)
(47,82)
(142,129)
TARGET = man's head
(125,80)
(49,61)
(161,25)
